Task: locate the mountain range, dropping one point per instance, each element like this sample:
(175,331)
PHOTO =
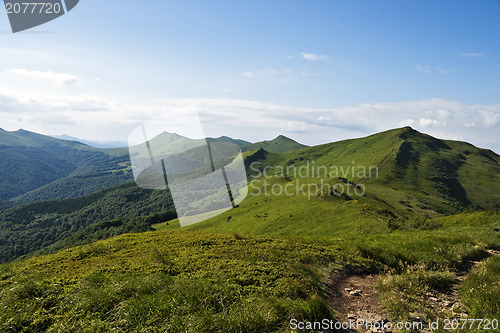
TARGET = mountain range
(84,247)
(399,174)
(36,167)
(61,187)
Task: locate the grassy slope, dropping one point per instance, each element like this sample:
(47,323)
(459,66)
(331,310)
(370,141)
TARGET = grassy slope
(400,223)
(452,240)
(159,281)
(177,282)
(481,290)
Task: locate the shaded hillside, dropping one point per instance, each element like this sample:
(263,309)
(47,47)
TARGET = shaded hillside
(37,167)
(97,172)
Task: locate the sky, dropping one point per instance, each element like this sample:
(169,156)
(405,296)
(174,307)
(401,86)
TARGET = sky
(316,71)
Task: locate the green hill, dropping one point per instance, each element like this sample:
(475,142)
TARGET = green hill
(280,144)
(36,167)
(167,144)
(390,177)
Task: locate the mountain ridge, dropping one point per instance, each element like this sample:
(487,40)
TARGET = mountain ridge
(416,176)
(280,144)
(24,138)
(32,162)
(39,167)
(430,207)
(95,144)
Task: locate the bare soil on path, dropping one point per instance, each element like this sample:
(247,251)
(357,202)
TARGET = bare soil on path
(353,298)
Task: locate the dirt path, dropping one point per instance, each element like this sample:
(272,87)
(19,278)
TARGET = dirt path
(353,298)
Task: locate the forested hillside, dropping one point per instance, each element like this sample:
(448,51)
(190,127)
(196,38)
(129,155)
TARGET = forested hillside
(35,226)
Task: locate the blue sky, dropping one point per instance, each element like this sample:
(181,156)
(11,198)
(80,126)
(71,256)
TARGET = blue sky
(317,71)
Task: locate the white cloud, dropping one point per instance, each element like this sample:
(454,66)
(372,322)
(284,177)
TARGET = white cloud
(314,57)
(490,119)
(248,74)
(407,122)
(443,114)
(425,122)
(473,54)
(276,74)
(295,127)
(56,79)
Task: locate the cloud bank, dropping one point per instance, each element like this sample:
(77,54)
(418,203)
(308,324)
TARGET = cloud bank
(97,118)
(48,77)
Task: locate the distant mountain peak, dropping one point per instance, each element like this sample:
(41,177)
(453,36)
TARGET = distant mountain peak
(285,138)
(406,131)
(280,144)
(228,139)
(171,134)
